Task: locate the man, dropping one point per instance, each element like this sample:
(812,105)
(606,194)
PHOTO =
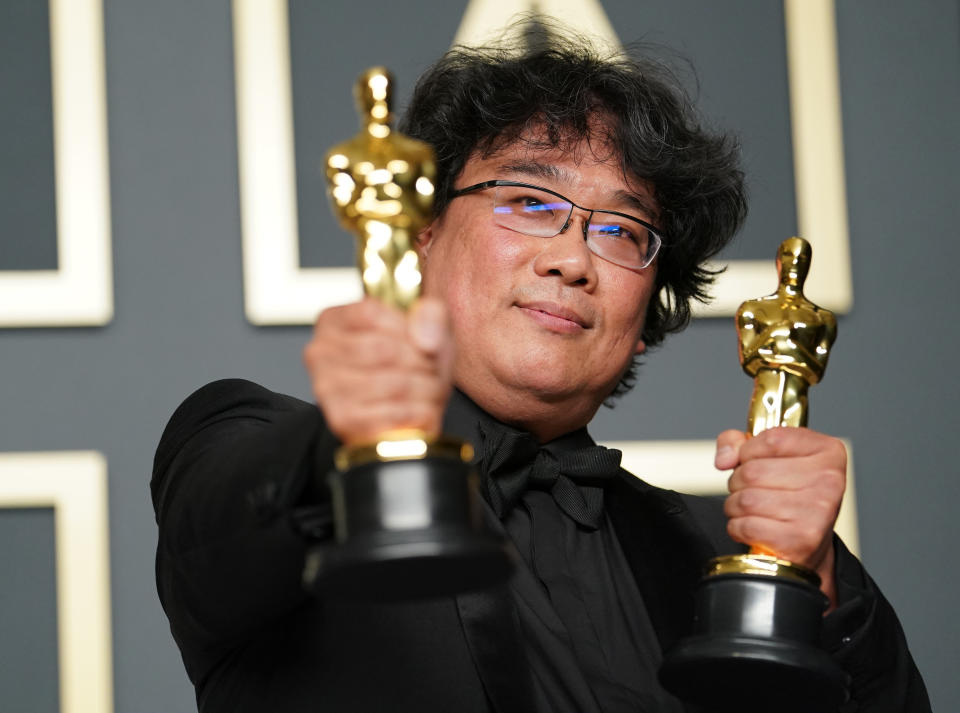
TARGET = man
(573,193)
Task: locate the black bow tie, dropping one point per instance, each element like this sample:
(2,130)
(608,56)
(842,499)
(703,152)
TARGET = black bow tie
(512,462)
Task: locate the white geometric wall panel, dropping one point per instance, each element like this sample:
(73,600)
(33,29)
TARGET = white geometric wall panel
(80,291)
(74,484)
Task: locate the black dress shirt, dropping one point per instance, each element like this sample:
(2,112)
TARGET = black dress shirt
(587,636)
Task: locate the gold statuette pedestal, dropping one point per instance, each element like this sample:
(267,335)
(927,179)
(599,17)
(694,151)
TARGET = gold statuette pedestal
(406,516)
(755,644)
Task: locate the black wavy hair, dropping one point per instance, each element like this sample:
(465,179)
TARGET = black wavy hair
(550,92)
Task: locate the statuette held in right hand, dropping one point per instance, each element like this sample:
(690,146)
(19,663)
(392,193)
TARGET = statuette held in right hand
(381,187)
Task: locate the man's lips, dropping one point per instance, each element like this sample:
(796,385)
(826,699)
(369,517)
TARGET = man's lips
(556,311)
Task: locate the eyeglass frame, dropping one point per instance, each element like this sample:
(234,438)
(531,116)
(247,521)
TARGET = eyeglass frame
(497,183)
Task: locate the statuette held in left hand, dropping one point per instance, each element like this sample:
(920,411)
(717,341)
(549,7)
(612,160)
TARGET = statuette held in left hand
(785,342)
(755,644)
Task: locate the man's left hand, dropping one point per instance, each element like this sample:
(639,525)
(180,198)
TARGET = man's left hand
(785,493)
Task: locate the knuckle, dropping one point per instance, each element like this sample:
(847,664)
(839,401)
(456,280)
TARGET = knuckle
(749,499)
(386,351)
(322,319)
(774,436)
(733,529)
(810,536)
(825,506)
(366,309)
(403,389)
(314,352)
(750,529)
(374,350)
(746,528)
(831,481)
(750,471)
(331,318)
(730,508)
(838,450)
(734,483)
(775,439)
(837,487)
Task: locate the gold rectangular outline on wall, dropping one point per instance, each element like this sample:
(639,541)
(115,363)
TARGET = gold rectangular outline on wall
(277,290)
(74,484)
(687,467)
(80,291)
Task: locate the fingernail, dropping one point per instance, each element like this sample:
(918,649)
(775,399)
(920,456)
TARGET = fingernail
(724,456)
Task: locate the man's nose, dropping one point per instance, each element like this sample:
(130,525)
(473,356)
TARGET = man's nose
(567,255)
(577,216)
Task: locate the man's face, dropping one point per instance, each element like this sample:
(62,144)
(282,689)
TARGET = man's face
(544,329)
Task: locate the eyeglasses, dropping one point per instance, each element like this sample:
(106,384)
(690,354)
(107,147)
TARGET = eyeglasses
(620,238)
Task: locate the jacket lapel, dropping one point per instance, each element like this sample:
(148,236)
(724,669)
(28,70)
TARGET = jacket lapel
(493,637)
(488,616)
(492,630)
(665,548)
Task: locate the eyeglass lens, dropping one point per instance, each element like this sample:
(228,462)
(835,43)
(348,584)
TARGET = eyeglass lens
(615,238)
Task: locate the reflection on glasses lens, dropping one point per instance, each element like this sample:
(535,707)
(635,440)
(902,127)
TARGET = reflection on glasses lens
(615,238)
(625,243)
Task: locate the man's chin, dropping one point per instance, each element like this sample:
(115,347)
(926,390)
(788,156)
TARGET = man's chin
(565,394)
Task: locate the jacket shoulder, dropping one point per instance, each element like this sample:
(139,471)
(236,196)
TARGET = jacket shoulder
(213,403)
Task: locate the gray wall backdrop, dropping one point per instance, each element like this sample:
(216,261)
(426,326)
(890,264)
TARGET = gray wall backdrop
(179,319)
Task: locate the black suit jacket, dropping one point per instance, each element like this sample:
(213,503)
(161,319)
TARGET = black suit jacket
(238,492)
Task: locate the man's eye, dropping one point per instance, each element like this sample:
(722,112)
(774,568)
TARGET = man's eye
(533,206)
(615,230)
(538,204)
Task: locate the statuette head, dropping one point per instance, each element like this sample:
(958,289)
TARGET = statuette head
(374,96)
(793,261)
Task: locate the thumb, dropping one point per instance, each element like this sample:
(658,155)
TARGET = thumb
(429,328)
(728,449)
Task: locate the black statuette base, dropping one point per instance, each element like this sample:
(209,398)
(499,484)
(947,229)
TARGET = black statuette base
(406,529)
(755,647)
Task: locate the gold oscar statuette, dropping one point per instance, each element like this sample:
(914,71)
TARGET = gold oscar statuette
(405,513)
(755,640)
(381,189)
(785,341)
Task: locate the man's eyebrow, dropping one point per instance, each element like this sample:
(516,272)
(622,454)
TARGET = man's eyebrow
(642,204)
(534,169)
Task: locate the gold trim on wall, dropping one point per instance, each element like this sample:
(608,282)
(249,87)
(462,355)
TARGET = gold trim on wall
(74,484)
(80,291)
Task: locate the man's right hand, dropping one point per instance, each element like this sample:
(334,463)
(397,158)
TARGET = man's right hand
(374,368)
